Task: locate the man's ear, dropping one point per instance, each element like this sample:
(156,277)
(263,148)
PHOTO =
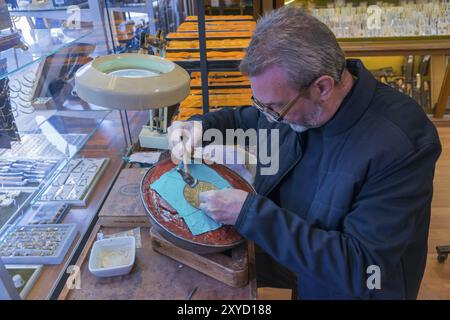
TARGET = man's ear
(325,86)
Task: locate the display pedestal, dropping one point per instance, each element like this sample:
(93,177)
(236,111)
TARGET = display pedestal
(153,139)
(230,267)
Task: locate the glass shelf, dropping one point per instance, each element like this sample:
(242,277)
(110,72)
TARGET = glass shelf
(367,19)
(45,7)
(41,43)
(137,8)
(53,124)
(399,38)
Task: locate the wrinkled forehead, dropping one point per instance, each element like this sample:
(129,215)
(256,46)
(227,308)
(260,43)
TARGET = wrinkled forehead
(271,85)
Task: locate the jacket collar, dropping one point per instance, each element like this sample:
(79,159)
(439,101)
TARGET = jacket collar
(355,103)
(288,153)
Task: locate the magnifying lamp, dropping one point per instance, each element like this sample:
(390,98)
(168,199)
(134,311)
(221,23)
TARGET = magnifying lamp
(132,81)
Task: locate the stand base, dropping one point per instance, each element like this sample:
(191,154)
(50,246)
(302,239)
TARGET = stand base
(442,252)
(231,268)
(153,139)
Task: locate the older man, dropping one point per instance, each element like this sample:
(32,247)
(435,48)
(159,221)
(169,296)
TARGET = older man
(349,209)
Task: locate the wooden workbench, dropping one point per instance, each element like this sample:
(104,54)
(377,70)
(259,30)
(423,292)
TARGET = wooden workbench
(154,276)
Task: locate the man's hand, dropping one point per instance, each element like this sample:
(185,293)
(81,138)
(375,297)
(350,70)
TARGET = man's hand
(183,137)
(224,205)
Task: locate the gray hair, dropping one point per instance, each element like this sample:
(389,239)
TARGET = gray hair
(305,47)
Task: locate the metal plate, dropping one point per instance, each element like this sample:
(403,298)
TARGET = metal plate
(172,227)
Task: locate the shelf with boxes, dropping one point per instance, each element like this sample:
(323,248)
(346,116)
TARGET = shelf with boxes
(228,17)
(229,7)
(50,9)
(366,19)
(227,87)
(227,38)
(226,41)
(423,78)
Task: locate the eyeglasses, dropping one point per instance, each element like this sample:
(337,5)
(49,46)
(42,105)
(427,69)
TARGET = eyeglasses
(279,116)
(272,114)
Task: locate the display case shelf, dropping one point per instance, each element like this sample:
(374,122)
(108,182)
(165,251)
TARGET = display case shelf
(138,8)
(41,43)
(30,8)
(51,11)
(58,130)
(103,138)
(396,46)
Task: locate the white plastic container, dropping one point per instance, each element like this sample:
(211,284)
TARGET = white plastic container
(112,257)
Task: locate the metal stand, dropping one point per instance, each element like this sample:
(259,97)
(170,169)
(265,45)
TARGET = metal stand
(126,133)
(203,56)
(127,124)
(442,253)
(155,134)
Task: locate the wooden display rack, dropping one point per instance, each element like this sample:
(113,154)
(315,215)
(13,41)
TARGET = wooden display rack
(222,18)
(230,269)
(436,46)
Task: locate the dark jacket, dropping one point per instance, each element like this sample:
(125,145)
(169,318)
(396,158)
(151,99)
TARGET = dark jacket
(351,194)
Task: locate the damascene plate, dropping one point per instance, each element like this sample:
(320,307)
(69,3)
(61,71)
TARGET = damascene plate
(192,194)
(171,225)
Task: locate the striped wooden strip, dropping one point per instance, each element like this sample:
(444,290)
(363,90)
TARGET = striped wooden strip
(212,55)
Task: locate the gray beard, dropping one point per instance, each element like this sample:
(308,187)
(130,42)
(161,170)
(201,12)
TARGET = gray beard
(312,123)
(298,127)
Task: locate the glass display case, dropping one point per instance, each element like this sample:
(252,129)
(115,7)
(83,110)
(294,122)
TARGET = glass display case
(42,5)
(58,154)
(361,19)
(53,12)
(229,7)
(410,39)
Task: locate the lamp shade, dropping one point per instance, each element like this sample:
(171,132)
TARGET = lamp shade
(132,81)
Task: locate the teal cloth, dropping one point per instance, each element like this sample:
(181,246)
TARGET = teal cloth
(170,187)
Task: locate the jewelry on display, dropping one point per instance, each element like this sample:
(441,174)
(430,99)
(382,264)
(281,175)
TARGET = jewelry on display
(75,181)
